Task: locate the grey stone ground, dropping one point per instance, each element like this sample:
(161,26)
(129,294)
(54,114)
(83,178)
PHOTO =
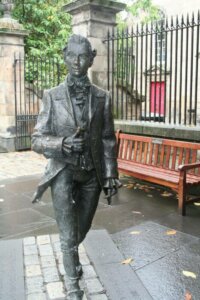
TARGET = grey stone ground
(44,270)
(143,226)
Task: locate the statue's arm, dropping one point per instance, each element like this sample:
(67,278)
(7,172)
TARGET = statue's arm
(109,142)
(43,140)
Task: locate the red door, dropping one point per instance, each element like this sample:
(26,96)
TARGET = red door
(157,98)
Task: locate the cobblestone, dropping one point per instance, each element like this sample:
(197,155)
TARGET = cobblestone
(50,274)
(31,260)
(33,270)
(55,290)
(45,276)
(48,261)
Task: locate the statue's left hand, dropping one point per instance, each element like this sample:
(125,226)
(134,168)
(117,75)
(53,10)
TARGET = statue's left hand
(111,186)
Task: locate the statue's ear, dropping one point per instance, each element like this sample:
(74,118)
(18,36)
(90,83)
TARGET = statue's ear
(94,53)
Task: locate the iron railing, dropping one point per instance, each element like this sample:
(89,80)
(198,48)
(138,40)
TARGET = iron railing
(32,75)
(153,71)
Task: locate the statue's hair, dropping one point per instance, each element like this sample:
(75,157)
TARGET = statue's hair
(76,38)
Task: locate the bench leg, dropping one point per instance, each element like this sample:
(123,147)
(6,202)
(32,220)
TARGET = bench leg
(182,198)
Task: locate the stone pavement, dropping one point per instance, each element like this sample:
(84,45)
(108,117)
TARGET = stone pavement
(160,247)
(45,275)
(15,164)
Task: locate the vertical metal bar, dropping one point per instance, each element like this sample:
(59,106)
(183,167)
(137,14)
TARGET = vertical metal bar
(37,86)
(151,58)
(113,67)
(58,70)
(141,70)
(15,87)
(122,74)
(186,70)
(33,88)
(171,71)
(20,97)
(155,77)
(181,71)
(136,92)
(108,60)
(161,41)
(132,73)
(126,65)
(166,57)
(197,64)
(191,69)
(176,68)
(146,63)
(117,62)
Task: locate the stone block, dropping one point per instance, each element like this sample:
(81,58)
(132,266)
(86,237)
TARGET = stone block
(56,246)
(50,274)
(94,286)
(43,240)
(34,285)
(30,249)
(37,296)
(81,249)
(29,240)
(31,260)
(55,238)
(61,269)
(33,270)
(89,272)
(84,260)
(48,261)
(45,250)
(55,290)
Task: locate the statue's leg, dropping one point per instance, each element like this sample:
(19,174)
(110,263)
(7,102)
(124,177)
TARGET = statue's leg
(87,204)
(66,217)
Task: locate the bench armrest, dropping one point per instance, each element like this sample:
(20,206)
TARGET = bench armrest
(189,166)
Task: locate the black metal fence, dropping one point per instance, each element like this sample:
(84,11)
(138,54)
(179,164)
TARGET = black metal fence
(153,71)
(31,76)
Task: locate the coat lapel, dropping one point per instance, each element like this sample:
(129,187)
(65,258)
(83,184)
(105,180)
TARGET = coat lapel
(92,103)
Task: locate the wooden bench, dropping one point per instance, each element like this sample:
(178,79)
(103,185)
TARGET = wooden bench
(170,163)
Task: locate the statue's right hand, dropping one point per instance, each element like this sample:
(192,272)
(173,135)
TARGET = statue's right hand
(74,143)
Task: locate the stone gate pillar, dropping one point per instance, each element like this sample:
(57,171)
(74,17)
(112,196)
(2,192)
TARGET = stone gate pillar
(93,19)
(11,42)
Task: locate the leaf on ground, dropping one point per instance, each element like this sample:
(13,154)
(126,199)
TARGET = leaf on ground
(188,296)
(135,232)
(129,186)
(166,194)
(136,212)
(189,274)
(171,232)
(127,261)
(149,195)
(197,203)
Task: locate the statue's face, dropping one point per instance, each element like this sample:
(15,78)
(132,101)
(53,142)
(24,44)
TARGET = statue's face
(77,59)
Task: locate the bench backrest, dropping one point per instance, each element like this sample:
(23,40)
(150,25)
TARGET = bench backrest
(164,153)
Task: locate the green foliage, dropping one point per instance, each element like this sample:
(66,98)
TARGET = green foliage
(48,26)
(150,11)
(143,10)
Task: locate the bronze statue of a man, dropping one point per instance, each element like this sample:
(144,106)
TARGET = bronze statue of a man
(75,131)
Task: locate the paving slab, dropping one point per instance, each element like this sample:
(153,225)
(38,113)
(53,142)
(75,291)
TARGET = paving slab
(160,256)
(120,281)
(11,270)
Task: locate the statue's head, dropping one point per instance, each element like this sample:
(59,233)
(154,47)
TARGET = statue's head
(78,55)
